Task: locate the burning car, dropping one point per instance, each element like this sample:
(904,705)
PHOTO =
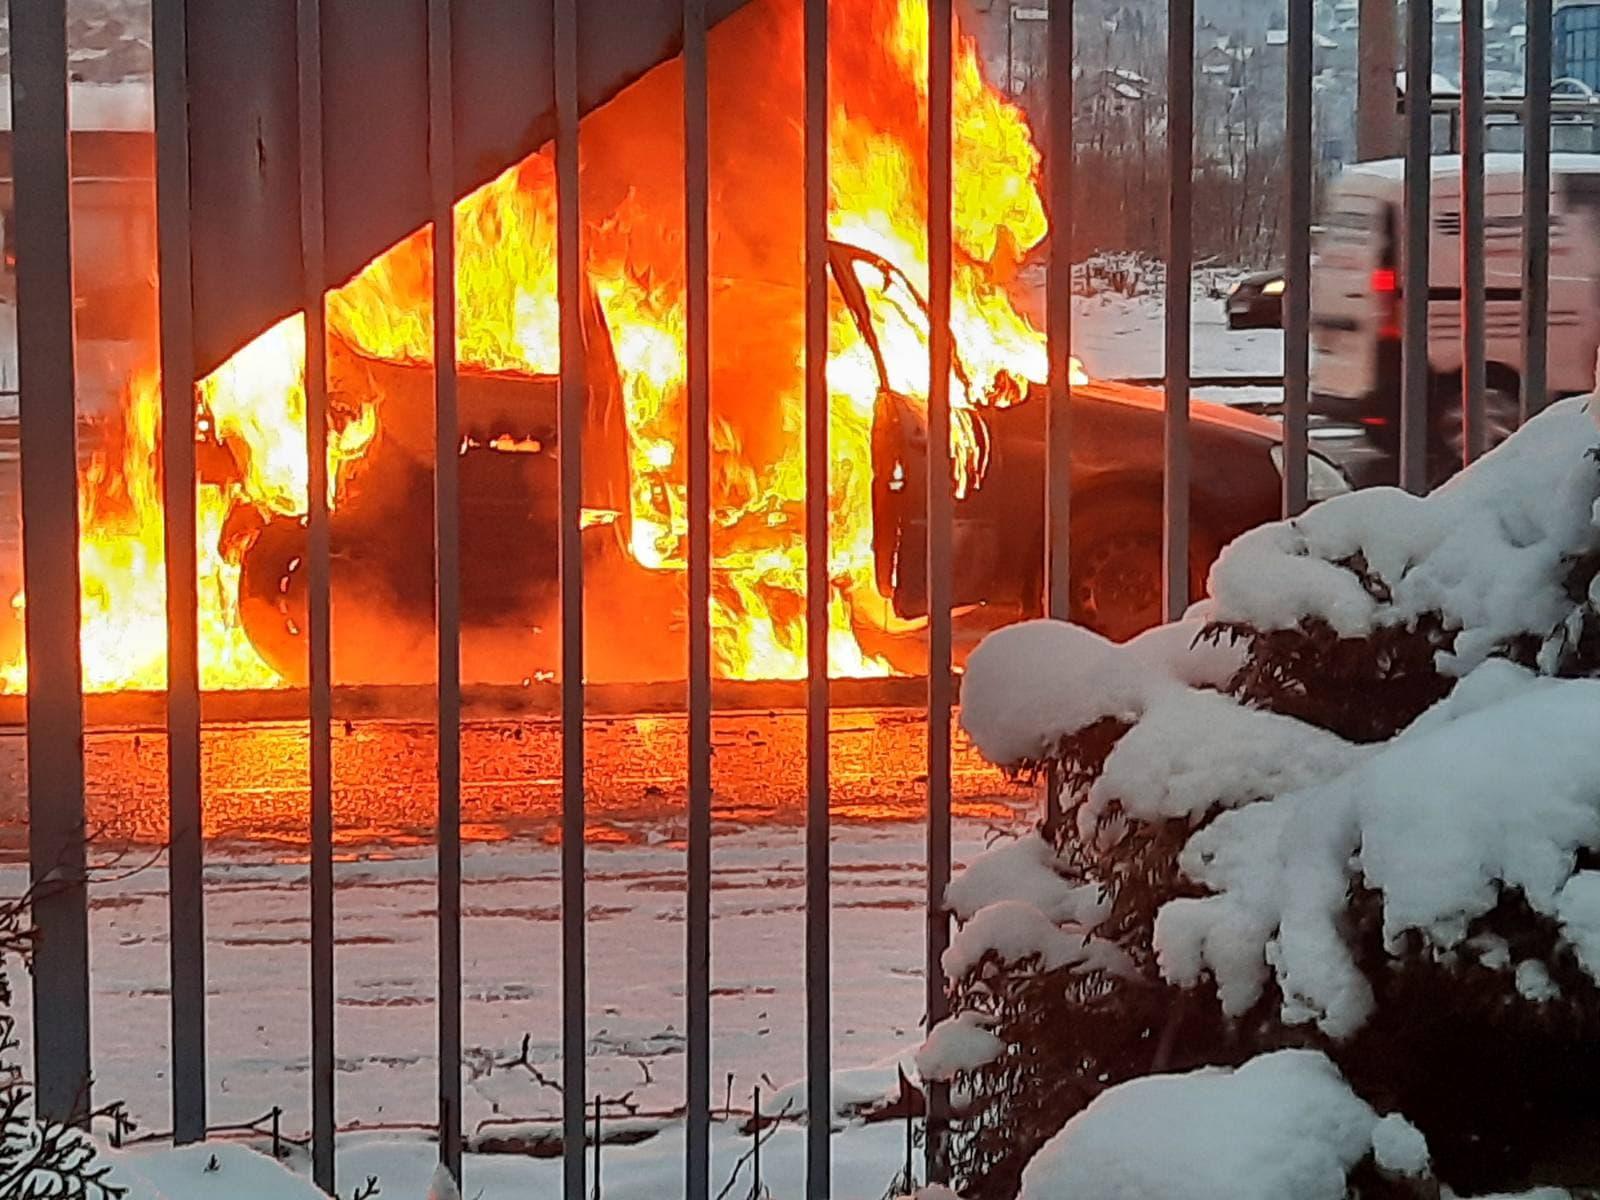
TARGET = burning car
(381,538)
(1117,466)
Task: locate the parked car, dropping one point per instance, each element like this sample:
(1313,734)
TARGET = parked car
(1356,297)
(1256,301)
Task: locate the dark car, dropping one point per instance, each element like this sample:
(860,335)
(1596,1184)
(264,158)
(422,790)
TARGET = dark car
(1117,471)
(1256,301)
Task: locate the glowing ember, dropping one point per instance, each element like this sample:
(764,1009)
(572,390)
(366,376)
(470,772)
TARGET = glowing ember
(508,323)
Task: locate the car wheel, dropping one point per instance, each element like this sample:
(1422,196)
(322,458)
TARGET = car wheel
(1502,413)
(1116,567)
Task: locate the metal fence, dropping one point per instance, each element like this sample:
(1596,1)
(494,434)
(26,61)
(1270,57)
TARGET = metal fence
(55,721)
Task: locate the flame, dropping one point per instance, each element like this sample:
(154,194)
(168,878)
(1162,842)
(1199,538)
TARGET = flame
(508,321)
(122,562)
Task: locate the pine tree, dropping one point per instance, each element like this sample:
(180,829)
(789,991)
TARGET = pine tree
(1500,1084)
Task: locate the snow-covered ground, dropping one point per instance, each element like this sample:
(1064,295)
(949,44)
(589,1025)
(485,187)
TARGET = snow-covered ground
(1123,337)
(257,938)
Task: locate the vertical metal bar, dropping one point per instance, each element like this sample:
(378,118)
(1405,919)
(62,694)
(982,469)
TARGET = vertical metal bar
(941,503)
(1180,268)
(48,440)
(1473,302)
(1058,330)
(313,267)
(1058,319)
(186,849)
(1297,323)
(1416,373)
(1536,211)
(696,205)
(447,572)
(574,398)
(819,980)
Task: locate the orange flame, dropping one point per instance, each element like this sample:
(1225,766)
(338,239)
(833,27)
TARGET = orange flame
(508,321)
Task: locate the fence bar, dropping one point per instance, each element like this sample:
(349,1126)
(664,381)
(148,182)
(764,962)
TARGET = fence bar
(1473,303)
(1416,377)
(819,980)
(309,20)
(1297,314)
(1180,267)
(697,232)
(1058,331)
(48,443)
(447,572)
(1536,211)
(941,501)
(1058,318)
(186,848)
(574,399)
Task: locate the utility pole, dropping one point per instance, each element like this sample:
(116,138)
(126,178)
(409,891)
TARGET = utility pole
(1377,48)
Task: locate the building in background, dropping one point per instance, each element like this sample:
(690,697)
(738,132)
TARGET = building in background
(1576,49)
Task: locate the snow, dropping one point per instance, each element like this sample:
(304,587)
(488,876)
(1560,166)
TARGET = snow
(854,1091)
(1484,550)
(124,106)
(1124,337)
(1195,751)
(1398,1146)
(257,967)
(212,1171)
(865,1157)
(960,1044)
(1024,869)
(1029,685)
(1578,908)
(1425,822)
(1534,983)
(1283,1125)
(1012,931)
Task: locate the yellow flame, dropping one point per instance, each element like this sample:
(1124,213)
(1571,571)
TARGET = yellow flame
(508,321)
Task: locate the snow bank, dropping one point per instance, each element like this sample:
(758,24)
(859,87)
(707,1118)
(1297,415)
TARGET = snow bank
(1029,685)
(1484,550)
(1282,1127)
(209,1171)
(1497,788)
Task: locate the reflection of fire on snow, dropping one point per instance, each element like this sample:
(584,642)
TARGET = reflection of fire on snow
(254,404)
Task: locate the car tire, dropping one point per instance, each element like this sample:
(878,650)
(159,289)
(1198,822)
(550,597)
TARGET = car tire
(1116,565)
(1502,406)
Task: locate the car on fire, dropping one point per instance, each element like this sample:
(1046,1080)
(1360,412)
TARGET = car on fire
(1116,463)
(380,534)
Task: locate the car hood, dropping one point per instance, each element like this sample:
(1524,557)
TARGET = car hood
(1201,411)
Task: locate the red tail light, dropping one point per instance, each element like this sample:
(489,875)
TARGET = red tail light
(1386,287)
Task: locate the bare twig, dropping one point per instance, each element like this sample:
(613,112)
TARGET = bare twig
(765,1128)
